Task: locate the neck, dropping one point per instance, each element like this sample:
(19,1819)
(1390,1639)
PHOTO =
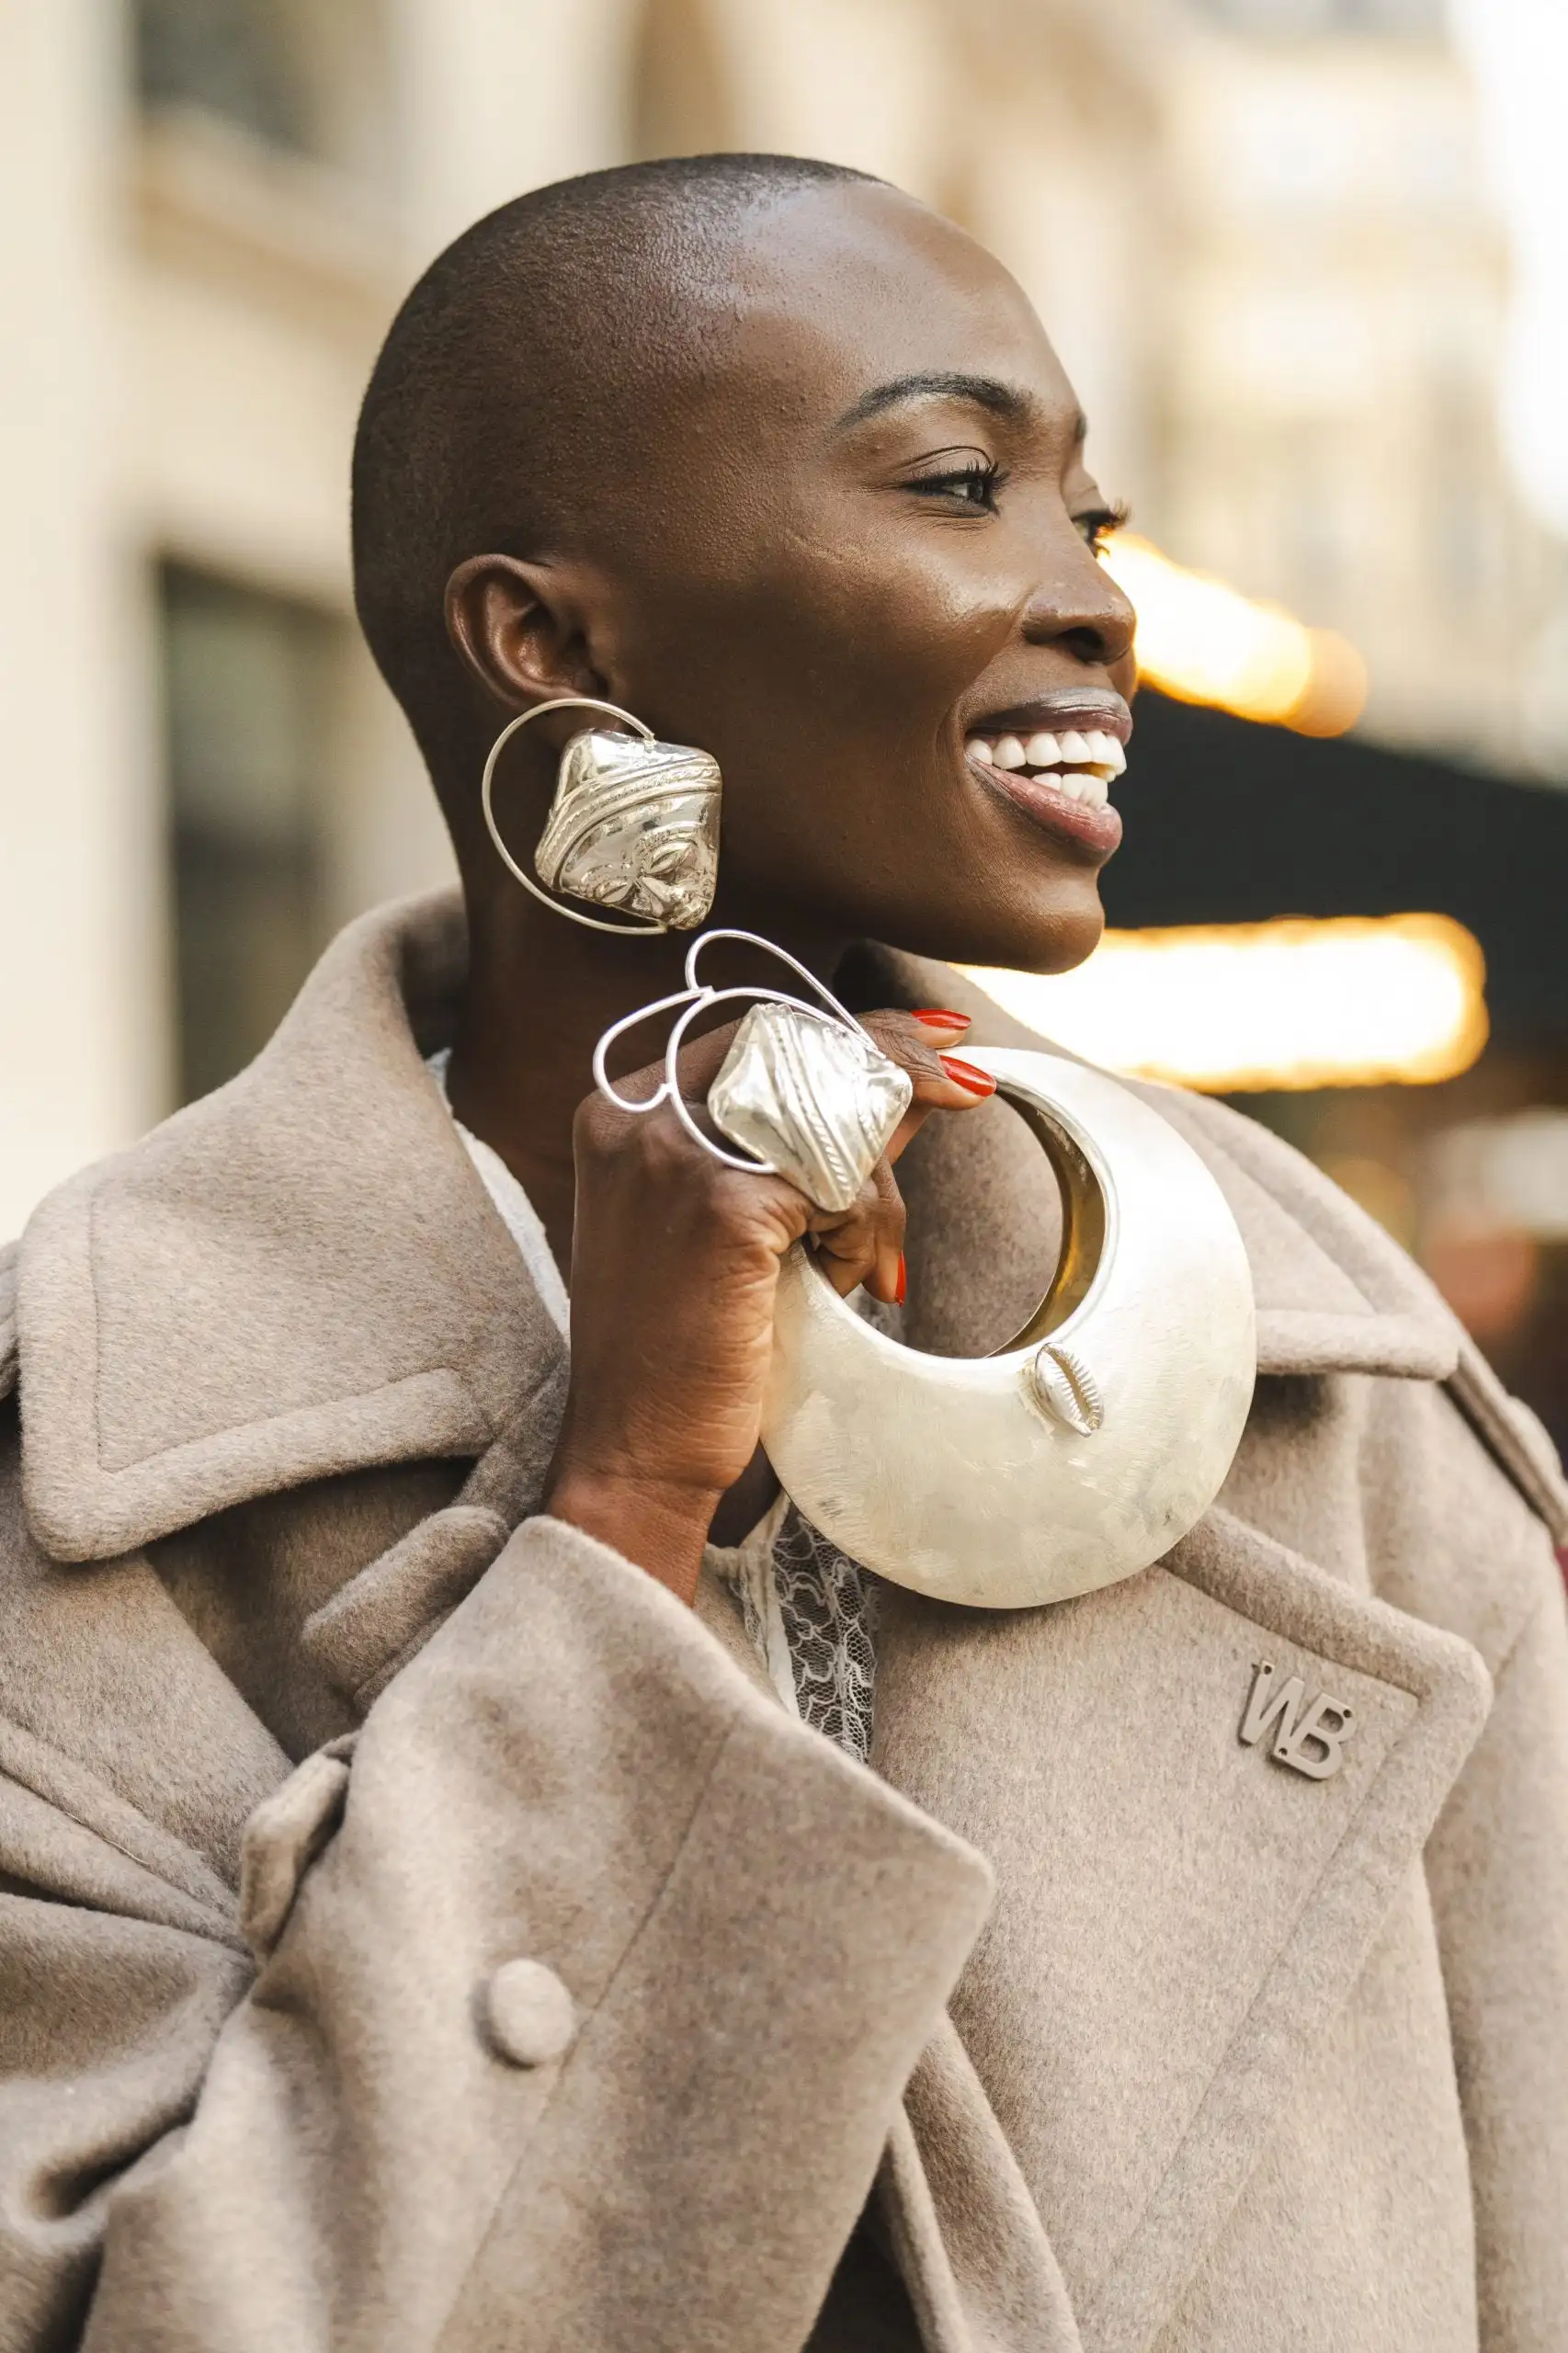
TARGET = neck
(539,994)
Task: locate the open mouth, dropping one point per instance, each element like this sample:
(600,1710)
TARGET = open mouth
(1080,763)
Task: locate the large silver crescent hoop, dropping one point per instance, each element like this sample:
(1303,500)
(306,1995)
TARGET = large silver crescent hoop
(1084,1449)
(631,928)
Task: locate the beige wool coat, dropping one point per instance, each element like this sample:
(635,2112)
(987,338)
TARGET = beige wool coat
(418,1931)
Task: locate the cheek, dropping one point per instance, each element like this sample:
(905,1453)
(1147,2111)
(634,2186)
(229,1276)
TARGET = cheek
(849,643)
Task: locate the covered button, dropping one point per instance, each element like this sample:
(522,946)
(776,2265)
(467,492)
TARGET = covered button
(528,2014)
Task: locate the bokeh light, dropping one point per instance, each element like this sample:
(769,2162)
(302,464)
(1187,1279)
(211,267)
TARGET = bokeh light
(1347,1002)
(1204,642)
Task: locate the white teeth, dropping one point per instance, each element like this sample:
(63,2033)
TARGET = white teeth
(1096,759)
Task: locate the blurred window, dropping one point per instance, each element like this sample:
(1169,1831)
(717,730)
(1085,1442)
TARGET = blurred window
(1298,16)
(248,684)
(295,73)
(233,57)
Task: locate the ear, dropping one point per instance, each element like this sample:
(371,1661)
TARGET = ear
(520,630)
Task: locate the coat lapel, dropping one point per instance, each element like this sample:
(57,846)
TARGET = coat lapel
(1178,1915)
(980,2272)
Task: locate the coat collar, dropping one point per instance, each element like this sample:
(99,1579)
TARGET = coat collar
(302,1275)
(298,1276)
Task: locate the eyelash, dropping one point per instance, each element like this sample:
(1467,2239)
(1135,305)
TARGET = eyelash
(981,475)
(1098,528)
(979,483)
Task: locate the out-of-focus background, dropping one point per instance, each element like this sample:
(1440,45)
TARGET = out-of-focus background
(1308,263)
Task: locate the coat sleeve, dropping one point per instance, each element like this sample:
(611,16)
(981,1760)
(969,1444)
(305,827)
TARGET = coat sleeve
(1497,1865)
(586,1990)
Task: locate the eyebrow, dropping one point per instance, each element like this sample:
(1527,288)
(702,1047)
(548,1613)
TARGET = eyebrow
(981,392)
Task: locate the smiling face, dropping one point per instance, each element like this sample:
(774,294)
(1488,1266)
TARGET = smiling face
(859,566)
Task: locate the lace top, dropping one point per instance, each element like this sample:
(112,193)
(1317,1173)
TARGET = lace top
(810,1611)
(811,1616)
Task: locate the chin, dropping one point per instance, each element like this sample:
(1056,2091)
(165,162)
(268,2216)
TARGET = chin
(1051,938)
(1066,939)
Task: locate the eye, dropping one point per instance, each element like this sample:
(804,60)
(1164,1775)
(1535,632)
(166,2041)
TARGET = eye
(1097,527)
(974,484)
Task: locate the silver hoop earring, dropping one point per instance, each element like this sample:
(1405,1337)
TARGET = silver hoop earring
(634,825)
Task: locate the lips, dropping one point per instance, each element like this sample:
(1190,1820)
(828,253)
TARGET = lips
(1056,760)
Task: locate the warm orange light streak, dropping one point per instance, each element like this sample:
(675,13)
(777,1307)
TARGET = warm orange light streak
(1350,1001)
(1203,641)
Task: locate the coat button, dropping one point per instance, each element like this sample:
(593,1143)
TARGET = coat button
(528,2014)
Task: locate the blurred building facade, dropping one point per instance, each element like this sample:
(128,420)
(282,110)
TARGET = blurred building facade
(1256,229)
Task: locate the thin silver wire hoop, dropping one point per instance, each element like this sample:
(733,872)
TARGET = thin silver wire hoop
(756,939)
(697,997)
(631,1021)
(557,907)
(668,1090)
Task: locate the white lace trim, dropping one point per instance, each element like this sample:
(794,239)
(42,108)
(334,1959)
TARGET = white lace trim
(828,1604)
(809,1614)
(747,1569)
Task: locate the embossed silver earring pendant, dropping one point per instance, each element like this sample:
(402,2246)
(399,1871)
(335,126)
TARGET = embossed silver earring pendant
(634,825)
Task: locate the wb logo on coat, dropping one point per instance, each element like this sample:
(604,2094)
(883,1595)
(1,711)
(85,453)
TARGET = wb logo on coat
(1307,1734)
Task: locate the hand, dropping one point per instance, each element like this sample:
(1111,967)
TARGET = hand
(674,1266)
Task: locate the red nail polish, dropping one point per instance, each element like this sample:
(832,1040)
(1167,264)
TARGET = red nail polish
(901,1289)
(941,1019)
(965,1074)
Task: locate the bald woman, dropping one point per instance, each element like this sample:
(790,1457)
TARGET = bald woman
(479,1870)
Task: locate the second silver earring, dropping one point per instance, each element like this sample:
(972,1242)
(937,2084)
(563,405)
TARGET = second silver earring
(633,825)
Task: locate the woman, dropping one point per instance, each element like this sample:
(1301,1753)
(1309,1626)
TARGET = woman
(583,1987)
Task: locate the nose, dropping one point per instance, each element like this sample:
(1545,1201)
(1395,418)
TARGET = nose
(1081,608)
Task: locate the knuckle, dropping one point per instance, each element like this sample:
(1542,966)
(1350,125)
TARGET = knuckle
(902,1040)
(598,1128)
(894,1218)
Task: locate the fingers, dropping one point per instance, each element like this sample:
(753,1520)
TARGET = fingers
(943,1080)
(865,1242)
(923,1043)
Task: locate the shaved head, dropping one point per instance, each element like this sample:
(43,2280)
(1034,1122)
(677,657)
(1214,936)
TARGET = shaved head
(774,457)
(519,378)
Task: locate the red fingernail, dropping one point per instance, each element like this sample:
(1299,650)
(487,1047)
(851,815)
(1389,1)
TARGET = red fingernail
(901,1288)
(941,1019)
(965,1074)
